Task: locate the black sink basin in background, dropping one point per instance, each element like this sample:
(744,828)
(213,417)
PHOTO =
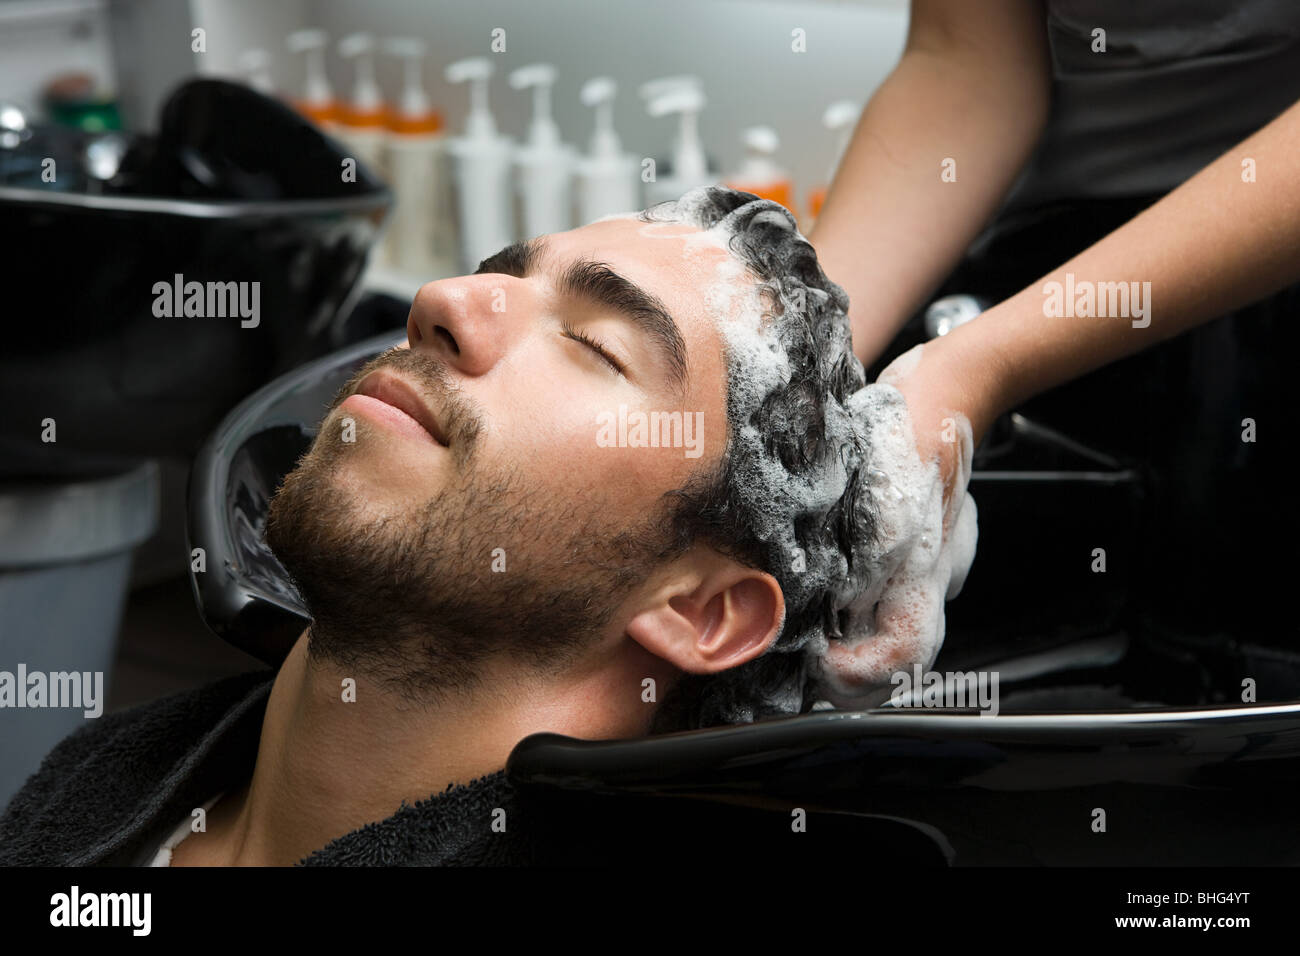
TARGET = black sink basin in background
(1045,504)
(234,187)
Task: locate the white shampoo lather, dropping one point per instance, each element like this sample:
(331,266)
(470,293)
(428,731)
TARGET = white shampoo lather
(481,160)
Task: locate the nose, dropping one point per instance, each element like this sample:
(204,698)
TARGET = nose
(465,321)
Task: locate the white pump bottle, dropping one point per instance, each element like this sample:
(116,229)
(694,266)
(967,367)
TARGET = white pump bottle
(690,165)
(840,118)
(317,101)
(362,115)
(255,65)
(481,161)
(607,176)
(543,163)
(421,237)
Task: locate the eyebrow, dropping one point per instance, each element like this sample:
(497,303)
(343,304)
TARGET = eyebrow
(596,282)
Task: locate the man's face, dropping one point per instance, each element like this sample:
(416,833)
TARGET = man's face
(523,516)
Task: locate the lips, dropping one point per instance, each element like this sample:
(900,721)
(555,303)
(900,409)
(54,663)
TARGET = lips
(391,389)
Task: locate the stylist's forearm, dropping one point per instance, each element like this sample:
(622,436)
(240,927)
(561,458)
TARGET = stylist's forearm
(1216,243)
(892,228)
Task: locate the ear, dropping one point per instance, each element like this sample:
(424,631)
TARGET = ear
(709,613)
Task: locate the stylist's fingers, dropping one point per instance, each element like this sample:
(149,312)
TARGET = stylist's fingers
(961,539)
(956,452)
(907,631)
(942,435)
(898,620)
(924,539)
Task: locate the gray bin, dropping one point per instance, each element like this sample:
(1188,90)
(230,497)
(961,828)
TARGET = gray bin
(65,562)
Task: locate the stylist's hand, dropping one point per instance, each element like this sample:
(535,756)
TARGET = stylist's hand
(920,446)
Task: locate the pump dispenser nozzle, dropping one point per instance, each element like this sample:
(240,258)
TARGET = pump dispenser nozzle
(840,117)
(421,238)
(413,106)
(256,67)
(607,180)
(545,165)
(482,164)
(599,92)
(476,71)
(540,77)
(362,116)
(366,106)
(651,89)
(761,140)
(317,101)
(759,173)
(690,167)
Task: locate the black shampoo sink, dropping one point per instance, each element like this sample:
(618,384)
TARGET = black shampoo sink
(235,197)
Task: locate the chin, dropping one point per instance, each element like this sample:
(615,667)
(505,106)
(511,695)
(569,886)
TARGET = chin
(374,469)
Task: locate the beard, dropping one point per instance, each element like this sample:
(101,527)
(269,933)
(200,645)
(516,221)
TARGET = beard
(482,569)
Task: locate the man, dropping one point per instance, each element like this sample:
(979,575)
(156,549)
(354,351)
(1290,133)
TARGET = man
(491,545)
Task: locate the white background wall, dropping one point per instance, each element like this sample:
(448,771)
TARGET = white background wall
(39,38)
(740,48)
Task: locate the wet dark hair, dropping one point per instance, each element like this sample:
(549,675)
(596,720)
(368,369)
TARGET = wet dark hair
(809,316)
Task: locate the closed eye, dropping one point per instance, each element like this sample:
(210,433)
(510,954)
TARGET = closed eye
(596,346)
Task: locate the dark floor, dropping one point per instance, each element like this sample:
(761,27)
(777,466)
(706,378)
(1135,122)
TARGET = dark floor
(165,648)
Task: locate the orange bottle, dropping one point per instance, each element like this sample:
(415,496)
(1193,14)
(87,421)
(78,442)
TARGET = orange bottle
(421,237)
(317,101)
(362,123)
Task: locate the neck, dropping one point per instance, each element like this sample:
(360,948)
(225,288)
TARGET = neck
(330,762)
